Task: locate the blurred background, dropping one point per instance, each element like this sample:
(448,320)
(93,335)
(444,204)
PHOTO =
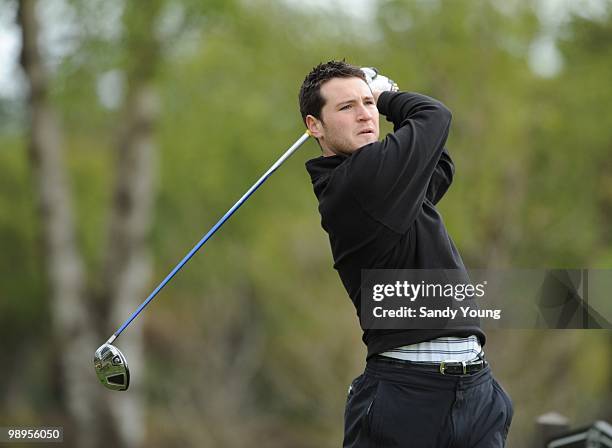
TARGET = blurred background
(127,129)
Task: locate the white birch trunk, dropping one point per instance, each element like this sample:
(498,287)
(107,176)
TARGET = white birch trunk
(73,334)
(126,265)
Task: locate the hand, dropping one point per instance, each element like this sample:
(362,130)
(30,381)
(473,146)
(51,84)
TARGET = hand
(378,82)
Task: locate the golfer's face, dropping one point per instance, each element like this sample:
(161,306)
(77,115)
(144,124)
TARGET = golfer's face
(349,117)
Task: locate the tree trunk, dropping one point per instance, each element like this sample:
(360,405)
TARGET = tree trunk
(75,341)
(126,264)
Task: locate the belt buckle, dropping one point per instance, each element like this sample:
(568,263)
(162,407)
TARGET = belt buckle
(443,366)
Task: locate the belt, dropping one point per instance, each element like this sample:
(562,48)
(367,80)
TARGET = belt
(444,367)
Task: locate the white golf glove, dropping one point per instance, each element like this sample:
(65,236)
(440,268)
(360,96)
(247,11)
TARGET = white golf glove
(379,82)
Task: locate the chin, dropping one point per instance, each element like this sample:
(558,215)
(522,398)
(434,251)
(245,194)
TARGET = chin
(367,139)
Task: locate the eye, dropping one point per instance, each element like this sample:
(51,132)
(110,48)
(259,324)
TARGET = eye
(346,107)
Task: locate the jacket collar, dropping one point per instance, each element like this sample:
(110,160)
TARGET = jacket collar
(322,166)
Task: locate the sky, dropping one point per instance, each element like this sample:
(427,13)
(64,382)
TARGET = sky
(9,50)
(544,58)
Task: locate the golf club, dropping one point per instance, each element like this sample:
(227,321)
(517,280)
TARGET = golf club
(110,364)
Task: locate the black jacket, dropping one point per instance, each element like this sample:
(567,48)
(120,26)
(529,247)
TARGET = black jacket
(378,206)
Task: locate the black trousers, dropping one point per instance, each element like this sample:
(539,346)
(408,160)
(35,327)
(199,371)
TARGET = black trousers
(399,404)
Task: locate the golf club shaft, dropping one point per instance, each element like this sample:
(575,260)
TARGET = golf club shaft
(210,233)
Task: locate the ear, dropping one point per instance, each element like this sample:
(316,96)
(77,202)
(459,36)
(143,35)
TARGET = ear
(315,126)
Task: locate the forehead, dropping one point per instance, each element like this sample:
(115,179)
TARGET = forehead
(340,89)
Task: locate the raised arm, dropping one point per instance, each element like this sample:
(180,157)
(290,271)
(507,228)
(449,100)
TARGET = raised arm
(391,178)
(441,179)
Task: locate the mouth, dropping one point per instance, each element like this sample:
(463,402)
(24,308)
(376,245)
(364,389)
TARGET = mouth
(366,132)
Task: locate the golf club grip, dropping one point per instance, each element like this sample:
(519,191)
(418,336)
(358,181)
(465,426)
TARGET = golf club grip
(211,232)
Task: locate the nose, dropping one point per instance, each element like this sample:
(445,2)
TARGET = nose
(364,113)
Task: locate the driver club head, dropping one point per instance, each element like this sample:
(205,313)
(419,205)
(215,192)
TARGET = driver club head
(111,367)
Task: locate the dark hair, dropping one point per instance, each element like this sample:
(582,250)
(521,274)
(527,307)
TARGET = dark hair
(311,100)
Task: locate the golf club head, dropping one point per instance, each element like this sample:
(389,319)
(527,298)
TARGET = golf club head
(111,367)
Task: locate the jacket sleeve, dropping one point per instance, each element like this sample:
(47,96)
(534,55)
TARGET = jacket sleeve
(441,178)
(390,179)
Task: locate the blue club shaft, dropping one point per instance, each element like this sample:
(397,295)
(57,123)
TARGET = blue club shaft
(210,233)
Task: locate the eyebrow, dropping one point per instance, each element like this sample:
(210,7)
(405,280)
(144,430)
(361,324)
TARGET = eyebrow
(353,100)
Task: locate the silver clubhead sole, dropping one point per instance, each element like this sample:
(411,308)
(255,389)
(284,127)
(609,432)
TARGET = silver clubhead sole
(111,367)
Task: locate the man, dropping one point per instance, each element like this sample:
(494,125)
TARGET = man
(377,204)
